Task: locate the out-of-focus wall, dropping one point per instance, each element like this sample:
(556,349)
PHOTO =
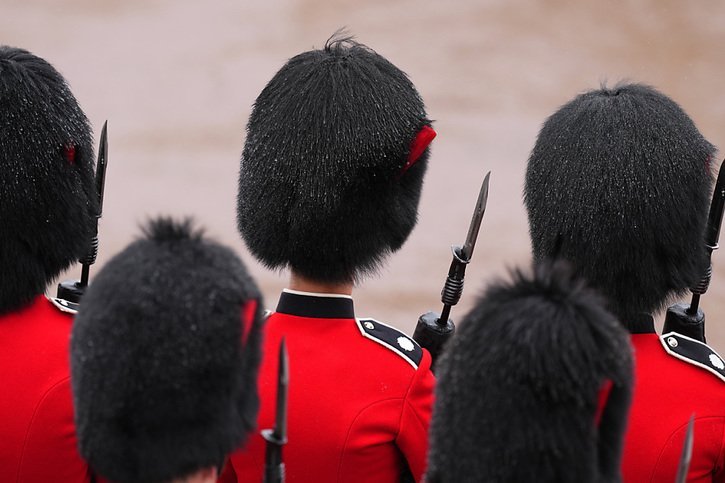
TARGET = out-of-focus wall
(176,80)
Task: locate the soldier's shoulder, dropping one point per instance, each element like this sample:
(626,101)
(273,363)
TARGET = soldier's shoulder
(64,306)
(694,352)
(391,339)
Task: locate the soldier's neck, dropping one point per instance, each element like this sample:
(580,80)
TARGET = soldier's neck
(302,284)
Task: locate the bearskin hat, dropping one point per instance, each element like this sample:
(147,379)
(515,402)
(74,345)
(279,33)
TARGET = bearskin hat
(534,386)
(164,357)
(619,183)
(47,205)
(333,163)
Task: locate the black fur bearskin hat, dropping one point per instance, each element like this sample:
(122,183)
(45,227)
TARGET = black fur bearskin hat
(164,357)
(333,163)
(535,386)
(619,183)
(47,206)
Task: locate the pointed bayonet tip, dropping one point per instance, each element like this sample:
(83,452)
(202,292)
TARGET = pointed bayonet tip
(470,243)
(686,456)
(483,194)
(101,164)
(104,134)
(689,436)
(483,198)
(283,362)
(282,389)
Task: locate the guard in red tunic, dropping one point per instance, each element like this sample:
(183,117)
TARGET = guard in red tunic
(619,184)
(47,208)
(164,359)
(329,185)
(535,386)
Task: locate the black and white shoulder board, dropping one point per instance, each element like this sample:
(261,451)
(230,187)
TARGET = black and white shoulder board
(392,339)
(64,306)
(694,352)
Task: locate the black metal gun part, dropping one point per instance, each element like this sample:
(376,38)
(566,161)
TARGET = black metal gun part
(73,290)
(433,330)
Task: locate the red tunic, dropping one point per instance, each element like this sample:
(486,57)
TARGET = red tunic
(360,396)
(668,389)
(37,435)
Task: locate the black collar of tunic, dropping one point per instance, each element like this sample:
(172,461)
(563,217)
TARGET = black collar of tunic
(314,305)
(641,324)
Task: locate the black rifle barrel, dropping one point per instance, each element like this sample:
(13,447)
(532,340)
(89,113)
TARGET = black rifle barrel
(689,319)
(101,165)
(73,290)
(712,235)
(453,287)
(432,329)
(277,437)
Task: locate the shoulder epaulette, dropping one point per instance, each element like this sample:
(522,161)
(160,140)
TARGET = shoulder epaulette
(694,352)
(392,339)
(64,305)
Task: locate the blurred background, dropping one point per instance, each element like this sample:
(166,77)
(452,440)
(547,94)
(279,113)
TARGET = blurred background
(176,80)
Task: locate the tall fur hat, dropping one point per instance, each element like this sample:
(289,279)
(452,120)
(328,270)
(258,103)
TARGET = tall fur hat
(47,206)
(164,357)
(619,183)
(333,163)
(534,386)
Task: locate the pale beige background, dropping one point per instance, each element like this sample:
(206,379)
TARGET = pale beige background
(176,80)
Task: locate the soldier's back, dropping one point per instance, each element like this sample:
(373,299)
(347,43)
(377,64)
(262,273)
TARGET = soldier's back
(675,377)
(360,395)
(37,442)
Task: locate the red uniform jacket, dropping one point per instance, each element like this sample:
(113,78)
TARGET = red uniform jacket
(675,377)
(360,396)
(37,435)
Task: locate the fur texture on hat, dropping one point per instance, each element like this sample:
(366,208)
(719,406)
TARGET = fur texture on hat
(619,184)
(164,357)
(323,184)
(518,387)
(47,200)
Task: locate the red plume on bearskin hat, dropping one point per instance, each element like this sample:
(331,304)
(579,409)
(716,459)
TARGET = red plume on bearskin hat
(164,357)
(333,163)
(619,183)
(535,386)
(47,202)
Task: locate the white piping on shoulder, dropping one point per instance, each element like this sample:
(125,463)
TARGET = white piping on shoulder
(674,354)
(62,305)
(382,343)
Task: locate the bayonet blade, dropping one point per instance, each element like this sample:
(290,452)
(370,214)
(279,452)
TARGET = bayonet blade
(686,455)
(101,167)
(276,438)
(100,180)
(280,425)
(717,206)
(468,246)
